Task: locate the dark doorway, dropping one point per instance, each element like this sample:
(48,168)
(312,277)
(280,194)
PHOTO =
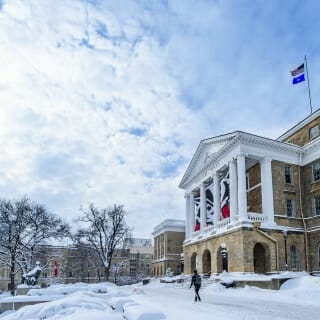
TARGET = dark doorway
(206,261)
(259,258)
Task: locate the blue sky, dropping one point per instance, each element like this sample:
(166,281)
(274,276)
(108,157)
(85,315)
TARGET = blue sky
(106,101)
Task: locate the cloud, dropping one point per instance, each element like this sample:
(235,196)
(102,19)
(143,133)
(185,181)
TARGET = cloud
(105,102)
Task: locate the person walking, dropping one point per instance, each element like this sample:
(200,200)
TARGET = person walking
(196,282)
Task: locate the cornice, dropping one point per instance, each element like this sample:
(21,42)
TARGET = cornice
(299,125)
(203,143)
(238,137)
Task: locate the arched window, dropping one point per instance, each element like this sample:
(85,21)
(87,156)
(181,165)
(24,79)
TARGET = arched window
(293,257)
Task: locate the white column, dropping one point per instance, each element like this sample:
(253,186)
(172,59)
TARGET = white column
(242,192)
(233,191)
(187,223)
(192,217)
(203,207)
(216,200)
(267,191)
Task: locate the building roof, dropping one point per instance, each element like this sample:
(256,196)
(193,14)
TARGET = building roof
(169,225)
(213,154)
(299,125)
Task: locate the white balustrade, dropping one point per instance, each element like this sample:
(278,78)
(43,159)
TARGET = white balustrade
(256,217)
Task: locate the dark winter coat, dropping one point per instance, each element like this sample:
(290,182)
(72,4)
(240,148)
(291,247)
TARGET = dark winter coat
(196,281)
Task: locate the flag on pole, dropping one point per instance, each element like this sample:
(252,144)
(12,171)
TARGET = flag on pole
(55,269)
(298,74)
(297,71)
(298,79)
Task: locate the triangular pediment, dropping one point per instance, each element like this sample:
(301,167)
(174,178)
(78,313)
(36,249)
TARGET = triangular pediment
(205,152)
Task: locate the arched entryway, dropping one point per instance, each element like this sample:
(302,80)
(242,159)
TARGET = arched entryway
(193,262)
(261,258)
(222,258)
(206,261)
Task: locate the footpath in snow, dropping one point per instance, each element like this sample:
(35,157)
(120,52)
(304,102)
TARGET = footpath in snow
(297,298)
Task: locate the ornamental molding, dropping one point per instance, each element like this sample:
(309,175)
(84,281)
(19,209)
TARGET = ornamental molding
(238,138)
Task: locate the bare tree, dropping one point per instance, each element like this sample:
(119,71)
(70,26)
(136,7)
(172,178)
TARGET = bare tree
(105,231)
(23,226)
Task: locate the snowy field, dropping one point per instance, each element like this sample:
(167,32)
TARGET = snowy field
(297,298)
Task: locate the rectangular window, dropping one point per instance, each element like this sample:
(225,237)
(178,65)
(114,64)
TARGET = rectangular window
(291,208)
(316,171)
(293,258)
(288,174)
(314,132)
(316,206)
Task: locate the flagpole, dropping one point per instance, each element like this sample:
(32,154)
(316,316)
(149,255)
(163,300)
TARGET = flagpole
(305,59)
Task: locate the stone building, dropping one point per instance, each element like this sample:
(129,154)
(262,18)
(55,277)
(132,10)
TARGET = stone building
(140,257)
(253,203)
(168,239)
(71,264)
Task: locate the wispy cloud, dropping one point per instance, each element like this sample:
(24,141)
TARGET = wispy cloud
(106,101)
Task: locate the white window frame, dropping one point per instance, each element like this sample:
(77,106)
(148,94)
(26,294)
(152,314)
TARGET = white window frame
(315,210)
(293,207)
(290,173)
(316,177)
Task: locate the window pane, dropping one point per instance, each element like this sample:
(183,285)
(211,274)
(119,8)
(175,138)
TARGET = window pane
(287,173)
(294,257)
(316,171)
(290,208)
(317,206)
(314,132)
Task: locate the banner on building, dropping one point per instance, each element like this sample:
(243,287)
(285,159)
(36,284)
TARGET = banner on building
(55,269)
(225,195)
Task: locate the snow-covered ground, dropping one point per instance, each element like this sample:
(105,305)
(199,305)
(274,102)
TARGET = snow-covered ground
(297,298)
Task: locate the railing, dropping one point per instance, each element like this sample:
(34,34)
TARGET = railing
(256,217)
(225,223)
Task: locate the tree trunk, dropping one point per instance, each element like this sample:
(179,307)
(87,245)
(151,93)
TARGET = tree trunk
(12,284)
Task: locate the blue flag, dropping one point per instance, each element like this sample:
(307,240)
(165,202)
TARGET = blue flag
(298,79)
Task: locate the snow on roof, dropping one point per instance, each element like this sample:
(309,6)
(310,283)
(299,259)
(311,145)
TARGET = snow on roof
(169,225)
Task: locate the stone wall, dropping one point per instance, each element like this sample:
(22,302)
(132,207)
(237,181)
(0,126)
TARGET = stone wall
(241,245)
(169,245)
(301,137)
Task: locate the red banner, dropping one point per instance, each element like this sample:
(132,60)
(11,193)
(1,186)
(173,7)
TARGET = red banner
(55,269)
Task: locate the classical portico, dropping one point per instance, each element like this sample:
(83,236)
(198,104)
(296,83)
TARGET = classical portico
(221,165)
(247,197)
(238,198)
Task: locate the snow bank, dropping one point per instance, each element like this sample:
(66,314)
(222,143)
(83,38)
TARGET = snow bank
(306,288)
(76,306)
(56,290)
(140,312)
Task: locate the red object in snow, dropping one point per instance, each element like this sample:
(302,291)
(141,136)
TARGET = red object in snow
(55,269)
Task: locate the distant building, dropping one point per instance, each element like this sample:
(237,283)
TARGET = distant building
(253,203)
(168,239)
(140,257)
(70,264)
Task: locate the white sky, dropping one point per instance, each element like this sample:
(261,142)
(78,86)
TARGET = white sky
(297,299)
(106,102)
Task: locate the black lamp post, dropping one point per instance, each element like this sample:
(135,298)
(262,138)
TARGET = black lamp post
(285,236)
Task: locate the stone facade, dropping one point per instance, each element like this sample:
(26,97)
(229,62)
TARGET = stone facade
(272,194)
(168,241)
